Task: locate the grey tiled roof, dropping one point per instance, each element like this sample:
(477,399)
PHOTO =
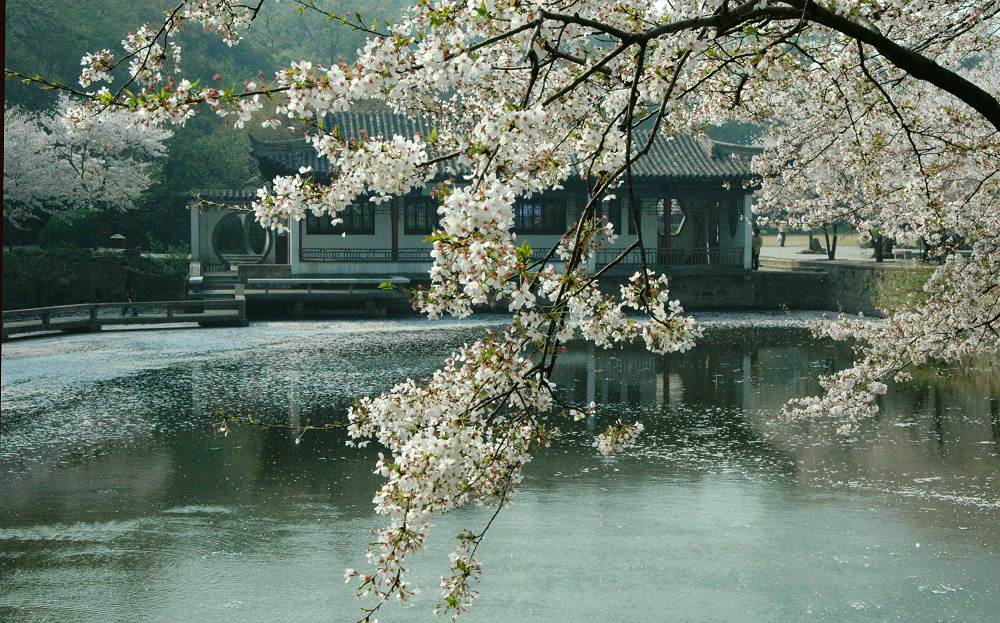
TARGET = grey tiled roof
(670,157)
(693,157)
(226,197)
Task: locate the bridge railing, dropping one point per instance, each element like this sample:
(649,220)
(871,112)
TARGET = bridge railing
(84,308)
(89,315)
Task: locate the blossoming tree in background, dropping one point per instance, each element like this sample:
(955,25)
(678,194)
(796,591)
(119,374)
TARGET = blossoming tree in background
(51,165)
(882,113)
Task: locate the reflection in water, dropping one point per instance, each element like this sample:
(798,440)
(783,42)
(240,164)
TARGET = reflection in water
(117,496)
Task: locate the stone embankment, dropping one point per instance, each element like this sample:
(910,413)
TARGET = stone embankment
(849,287)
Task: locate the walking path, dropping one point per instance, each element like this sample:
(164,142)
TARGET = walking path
(848,254)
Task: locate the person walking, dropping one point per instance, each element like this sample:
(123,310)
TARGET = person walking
(878,244)
(130,292)
(756,243)
(782,233)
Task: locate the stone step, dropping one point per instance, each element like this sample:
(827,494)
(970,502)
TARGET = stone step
(236,258)
(790,265)
(220,279)
(213,294)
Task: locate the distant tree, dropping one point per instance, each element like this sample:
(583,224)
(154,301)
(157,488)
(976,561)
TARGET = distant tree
(49,166)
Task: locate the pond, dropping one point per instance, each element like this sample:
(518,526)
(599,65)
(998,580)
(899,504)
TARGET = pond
(120,502)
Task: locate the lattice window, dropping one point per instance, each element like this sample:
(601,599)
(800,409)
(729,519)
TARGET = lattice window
(535,216)
(677,216)
(420,217)
(358,220)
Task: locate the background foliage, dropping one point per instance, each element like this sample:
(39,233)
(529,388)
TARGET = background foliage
(49,37)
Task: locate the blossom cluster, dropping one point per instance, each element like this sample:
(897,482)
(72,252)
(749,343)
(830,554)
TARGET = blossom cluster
(462,437)
(474,255)
(225,18)
(617,437)
(953,324)
(150,47)
(147,56)
(375,170)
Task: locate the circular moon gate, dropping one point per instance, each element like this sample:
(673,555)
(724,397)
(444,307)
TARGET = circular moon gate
(237,238)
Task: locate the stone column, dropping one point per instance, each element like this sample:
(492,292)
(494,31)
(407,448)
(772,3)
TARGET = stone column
(295,246)
(748,202)
(195,234)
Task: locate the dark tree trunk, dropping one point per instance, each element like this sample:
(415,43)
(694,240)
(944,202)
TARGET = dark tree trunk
(831,245)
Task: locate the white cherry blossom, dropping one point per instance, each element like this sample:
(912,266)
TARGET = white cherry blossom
(97,163)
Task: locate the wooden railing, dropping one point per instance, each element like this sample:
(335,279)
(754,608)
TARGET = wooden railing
(674,257)
(654,257)
(309,285)
(414,254)
(89,317)
(417,254)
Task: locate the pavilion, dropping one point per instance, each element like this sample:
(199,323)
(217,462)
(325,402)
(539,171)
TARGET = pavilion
(694,197)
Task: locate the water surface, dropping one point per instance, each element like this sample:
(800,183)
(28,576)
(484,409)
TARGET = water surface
(119,502)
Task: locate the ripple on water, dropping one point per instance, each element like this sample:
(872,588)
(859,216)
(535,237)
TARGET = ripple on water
(199,510)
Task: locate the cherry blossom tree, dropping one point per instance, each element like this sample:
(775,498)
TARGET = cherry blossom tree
(50,165)
(880,113)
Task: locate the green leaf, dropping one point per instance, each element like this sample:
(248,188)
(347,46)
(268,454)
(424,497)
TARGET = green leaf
(524,252)
(438,236)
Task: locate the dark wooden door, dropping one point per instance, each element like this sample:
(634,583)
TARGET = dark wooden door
(281,247)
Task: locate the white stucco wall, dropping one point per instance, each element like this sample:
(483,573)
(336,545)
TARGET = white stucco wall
(382,239)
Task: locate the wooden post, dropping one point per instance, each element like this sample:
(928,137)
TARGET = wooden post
(93,318)
(668,230)
(241,305)
(394,215)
